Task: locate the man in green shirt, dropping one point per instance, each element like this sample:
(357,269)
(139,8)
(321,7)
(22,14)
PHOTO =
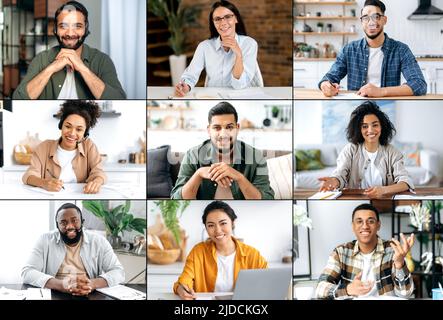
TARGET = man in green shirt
(223,167)
(71,70)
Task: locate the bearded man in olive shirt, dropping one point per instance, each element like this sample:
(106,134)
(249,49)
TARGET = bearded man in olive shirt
(72,70)
(223,167)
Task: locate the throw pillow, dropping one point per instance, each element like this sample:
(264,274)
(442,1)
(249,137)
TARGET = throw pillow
(159,176)
(280,176)
(308,160)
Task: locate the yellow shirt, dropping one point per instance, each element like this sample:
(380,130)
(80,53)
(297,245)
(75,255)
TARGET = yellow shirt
(200,271)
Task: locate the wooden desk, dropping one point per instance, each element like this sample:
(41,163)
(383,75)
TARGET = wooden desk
(260,93)
(56,295)
(358,194)
(316,94)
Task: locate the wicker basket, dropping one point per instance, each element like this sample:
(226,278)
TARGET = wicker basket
(158,256)
(22,158)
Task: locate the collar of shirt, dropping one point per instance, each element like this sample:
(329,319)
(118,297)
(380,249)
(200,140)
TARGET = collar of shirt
(238,248)
(53,150)
(387,46)
(378,249)
(218,44)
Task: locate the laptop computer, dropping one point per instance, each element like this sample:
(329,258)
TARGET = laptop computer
(261,284)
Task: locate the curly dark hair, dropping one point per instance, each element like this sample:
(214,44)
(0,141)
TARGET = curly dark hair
(88,110)
(239,27)
(353,131)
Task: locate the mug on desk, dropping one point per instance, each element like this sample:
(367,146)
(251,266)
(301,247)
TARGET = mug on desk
(437,294)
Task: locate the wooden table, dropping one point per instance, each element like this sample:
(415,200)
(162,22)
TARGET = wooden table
(316,94)
(358,194)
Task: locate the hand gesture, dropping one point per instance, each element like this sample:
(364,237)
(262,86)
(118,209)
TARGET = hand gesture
(93,186)
(181,89)
(375,192)
(53,185)
(76,62)
(221,170)
(329,183)
(369,90)
(358,287)
(401,249)
(232,44)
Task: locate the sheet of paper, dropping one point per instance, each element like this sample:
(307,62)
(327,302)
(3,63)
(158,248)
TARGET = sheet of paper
(326,195)
(68,188)
(212,295)
(348,95)
(128,191)
(250,93)
(38,294)
(207,94)
(122,292)
(11,294)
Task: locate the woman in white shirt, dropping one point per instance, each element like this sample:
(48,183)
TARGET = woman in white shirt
(369,161)
(229,56)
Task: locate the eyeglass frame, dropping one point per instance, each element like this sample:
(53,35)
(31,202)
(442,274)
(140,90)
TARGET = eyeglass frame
(371,17)
(225,17)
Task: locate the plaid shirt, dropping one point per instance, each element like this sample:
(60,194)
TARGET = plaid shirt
(346,262)
(354,58)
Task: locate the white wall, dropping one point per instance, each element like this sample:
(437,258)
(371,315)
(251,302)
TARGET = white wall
(22,223)
(331,221)
(265,225)
(116,137)
(95,20)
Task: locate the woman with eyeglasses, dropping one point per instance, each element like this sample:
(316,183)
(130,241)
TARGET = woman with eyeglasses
(369,161)
(213,265)
(72,158)
(229,56)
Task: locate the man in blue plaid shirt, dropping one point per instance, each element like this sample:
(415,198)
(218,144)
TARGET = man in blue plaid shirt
(368,266)
(375,63)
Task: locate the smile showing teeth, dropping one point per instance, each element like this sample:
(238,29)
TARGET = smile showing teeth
(219,237)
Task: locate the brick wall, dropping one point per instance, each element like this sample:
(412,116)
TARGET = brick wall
(269,22)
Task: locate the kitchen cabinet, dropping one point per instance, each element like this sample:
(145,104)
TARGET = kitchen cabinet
(433,72)
(308,73)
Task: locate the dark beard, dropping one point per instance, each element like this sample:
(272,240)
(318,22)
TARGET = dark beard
(77,45)
(74,240)
(374,36)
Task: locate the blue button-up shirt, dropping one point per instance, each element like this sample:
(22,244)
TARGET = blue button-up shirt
(398,59)
(218,64)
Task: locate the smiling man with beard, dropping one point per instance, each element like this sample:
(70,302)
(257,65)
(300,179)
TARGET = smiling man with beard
(71,70)
(375,63)
(223,167)
(72,260)
(368,266)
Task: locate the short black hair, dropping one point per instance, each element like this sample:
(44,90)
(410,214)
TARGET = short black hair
(366,206)
(68,206)
(219,205)
(240,26)
(375,3)
(353,131)
(222,108)
(88,110)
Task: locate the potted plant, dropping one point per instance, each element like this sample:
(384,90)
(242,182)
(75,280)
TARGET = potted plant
(320,26)
(116,219)
(177,17)
(306,49)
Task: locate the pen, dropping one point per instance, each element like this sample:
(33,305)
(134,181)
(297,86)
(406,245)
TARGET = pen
(53,176)
(325,197)
(41,293)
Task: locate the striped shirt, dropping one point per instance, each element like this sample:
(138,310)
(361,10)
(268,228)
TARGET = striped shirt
(346,261)
(398,59)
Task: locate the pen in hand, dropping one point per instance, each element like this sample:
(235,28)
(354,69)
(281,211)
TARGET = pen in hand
(53,176)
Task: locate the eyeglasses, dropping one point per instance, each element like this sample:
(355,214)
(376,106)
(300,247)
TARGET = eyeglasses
(219,19)
(374,17)
(369,222)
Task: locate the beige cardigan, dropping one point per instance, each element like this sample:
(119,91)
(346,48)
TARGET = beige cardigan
(86,164)
(352,163)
